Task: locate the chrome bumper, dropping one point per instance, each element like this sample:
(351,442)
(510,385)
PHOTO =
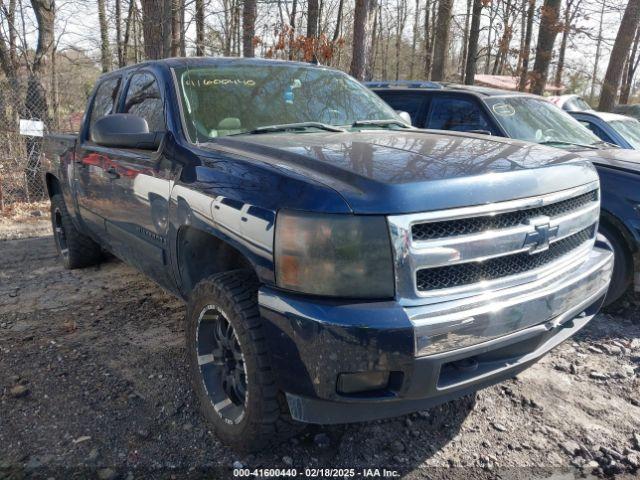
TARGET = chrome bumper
(555,298)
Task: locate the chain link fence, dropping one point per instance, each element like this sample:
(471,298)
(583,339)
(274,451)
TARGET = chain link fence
(27,112)
(20,147)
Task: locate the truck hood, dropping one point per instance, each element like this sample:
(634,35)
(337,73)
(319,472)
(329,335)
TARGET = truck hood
(614,157)
(390,172)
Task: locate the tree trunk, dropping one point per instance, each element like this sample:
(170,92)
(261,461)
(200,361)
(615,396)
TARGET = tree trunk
(544,50)
(472,49)
(157,37)
(336,32)
(118,19)
(176,31)
(105,51)
(358,57)
(199,19)
(371,61)
(312,18)
(292,24)
(427,41)
(594,75)
(400,23)
(414,39)
(563,45)
(621,46)
(249,10)
(465,40)
(493,7)
(632,65)
(526,50)
(441,44)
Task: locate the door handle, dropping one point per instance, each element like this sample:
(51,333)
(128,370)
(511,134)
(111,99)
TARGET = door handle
(113,173)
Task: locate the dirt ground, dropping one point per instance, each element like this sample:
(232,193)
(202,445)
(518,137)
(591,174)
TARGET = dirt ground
(93,385)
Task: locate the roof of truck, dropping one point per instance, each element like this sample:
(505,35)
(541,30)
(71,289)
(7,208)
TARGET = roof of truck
(176,62)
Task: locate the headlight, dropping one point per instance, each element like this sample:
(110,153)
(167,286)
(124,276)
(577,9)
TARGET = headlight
(333,254)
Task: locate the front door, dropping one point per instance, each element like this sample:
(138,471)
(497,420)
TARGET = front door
(138,221)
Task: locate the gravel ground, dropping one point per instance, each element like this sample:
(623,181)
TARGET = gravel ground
(93,384)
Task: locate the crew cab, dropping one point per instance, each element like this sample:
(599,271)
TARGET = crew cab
(337,264)
(532,118)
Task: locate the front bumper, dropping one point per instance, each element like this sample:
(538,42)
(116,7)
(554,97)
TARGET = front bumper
(313,341)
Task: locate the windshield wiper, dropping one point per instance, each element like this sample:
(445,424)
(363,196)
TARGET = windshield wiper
(296,126)
(379,123)
(571,144)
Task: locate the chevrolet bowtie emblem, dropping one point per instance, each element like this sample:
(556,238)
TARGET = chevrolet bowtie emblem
(538,239)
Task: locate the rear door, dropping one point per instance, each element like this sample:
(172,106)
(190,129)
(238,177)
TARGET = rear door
(138,220)
(93,166)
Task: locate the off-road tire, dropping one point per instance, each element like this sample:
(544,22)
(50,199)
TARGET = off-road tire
(75,249)
(622,267)
(266,419)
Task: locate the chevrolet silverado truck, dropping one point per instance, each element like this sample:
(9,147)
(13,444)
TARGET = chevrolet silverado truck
(337,264)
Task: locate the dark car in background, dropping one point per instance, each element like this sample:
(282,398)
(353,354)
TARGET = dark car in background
(613,128)
(532,118)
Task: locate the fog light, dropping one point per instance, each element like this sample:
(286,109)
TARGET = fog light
(362,382)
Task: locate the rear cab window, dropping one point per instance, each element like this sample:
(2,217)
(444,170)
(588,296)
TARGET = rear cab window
(104,100)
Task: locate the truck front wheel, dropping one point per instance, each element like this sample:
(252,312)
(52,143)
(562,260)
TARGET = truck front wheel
(75,249)
(229,363)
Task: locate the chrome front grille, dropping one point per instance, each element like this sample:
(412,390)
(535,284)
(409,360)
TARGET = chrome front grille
(462,252)
(495,268)
(466,226)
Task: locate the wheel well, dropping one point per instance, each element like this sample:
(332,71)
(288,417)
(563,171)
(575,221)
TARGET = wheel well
(53,185)
(613,223)
(200,254)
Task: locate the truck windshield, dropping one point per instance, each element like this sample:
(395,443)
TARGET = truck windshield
(630,130)
(536,120)
(241,99)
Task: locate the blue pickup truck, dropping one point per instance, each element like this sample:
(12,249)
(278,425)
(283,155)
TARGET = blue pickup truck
(337,264)
(523,116)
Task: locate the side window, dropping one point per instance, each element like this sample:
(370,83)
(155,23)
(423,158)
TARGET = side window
(144,100)
(458,114)
(104,100)
(406,103)
(597,130)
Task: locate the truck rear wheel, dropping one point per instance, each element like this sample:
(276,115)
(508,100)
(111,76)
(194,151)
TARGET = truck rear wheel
(76,249)
(229,363)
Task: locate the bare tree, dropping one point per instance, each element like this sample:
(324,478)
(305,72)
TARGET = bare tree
(199,19)
(596,61)
(249,10)
(544,50)
(632,66)
(361,19)
(105,51)
(441,43)
(177,6)
(465,39)
(626,33)
(118,20)
(156,27)
(401,20)
(526,48)
(312,18)
(472,48)
(571,10)
(414,38)
(428,35)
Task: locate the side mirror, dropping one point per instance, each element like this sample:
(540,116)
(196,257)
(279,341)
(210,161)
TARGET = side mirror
(123,130)
(404,116)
